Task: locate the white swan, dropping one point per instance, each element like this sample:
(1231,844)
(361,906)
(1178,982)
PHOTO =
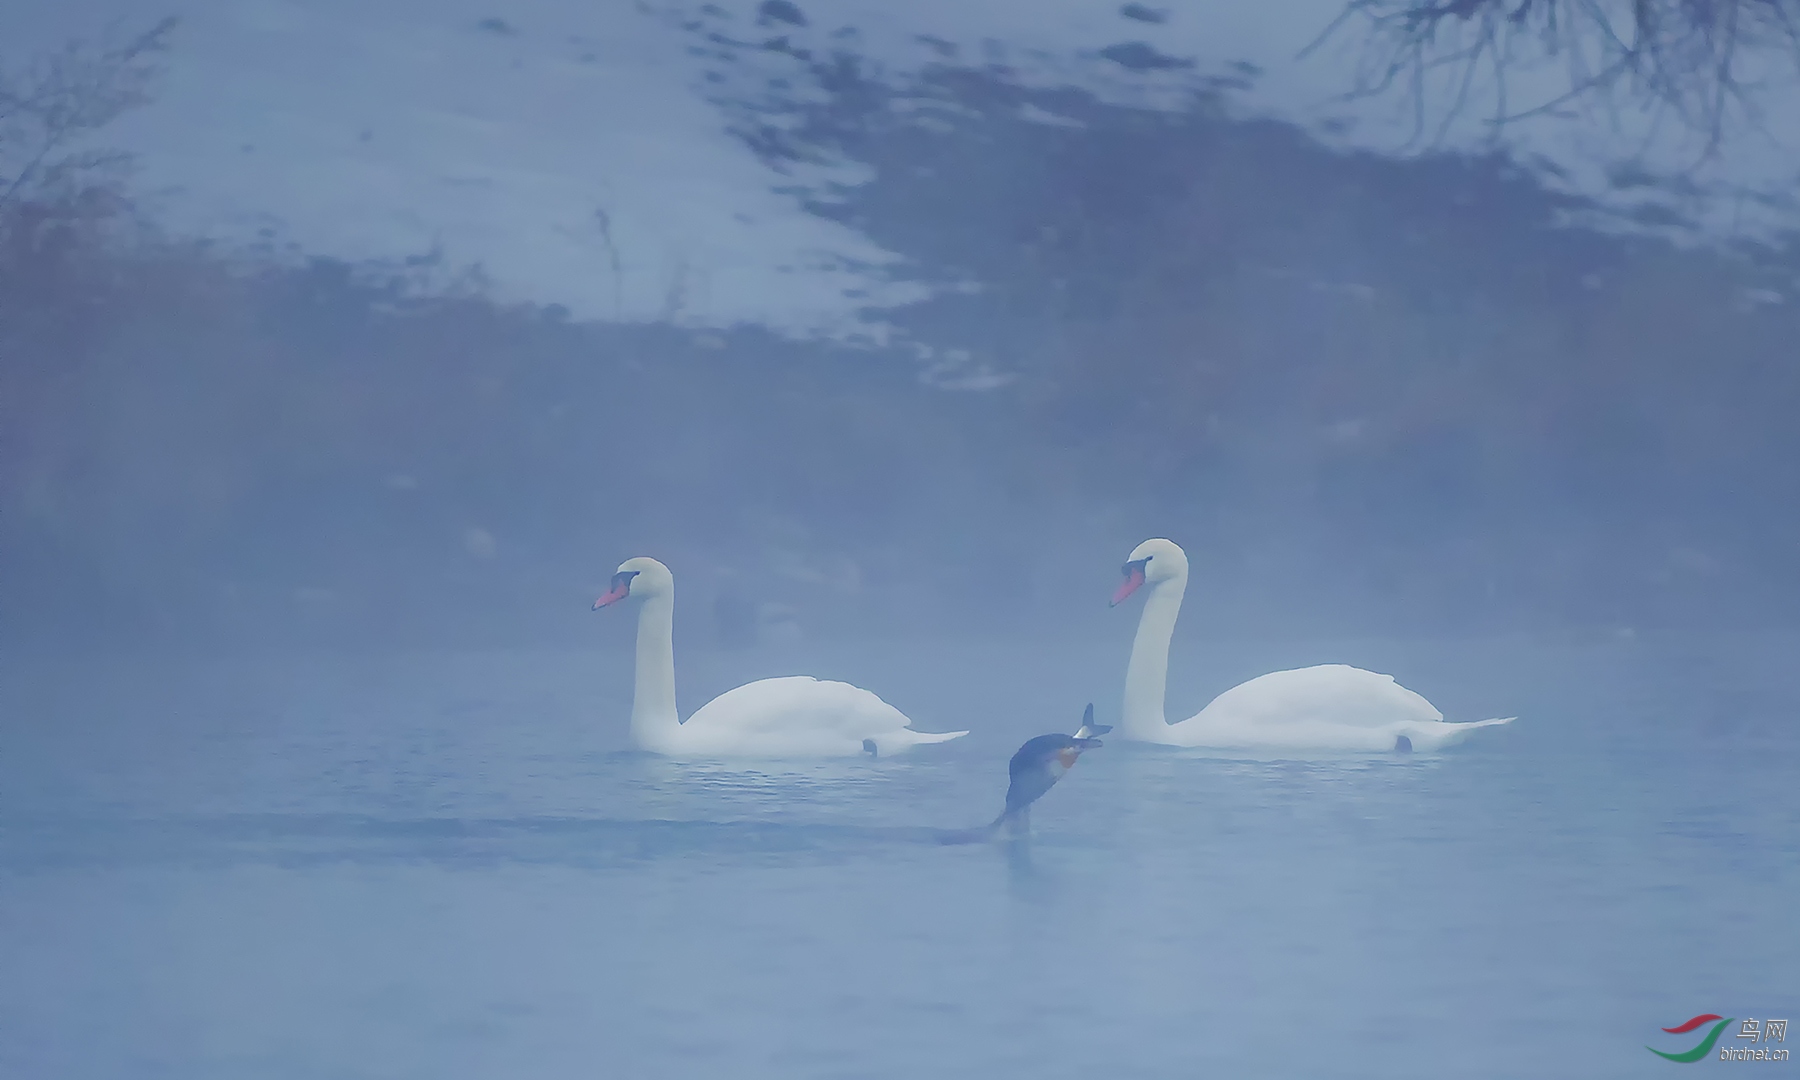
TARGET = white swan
(1329,707)
(796,716)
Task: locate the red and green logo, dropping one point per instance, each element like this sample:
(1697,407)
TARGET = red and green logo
(1706,1044)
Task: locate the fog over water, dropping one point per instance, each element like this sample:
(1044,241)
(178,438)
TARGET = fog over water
(892,334)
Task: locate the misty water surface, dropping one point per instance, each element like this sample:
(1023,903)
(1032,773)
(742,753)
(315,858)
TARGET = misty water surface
(451,866)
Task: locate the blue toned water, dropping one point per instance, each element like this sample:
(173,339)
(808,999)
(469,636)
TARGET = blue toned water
(447,867)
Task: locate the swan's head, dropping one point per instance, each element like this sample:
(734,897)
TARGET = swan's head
(1152,561)
(641,578)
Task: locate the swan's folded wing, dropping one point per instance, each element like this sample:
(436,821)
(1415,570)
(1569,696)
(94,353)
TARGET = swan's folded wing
(1328,693)
(800,704)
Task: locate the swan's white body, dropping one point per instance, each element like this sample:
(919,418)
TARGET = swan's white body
(796,716)
(1332,707)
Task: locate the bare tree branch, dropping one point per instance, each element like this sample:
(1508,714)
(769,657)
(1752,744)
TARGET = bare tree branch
(63,98)
(1695,59)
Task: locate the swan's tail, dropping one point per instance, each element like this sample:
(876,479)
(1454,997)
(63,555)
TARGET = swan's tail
(1444,733)
(1473,724)
(894,741)
(920,738)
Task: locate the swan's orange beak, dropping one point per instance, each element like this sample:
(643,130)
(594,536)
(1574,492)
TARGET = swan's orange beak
(1134,578)
(621,588)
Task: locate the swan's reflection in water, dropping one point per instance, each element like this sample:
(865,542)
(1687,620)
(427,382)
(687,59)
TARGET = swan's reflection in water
(784,788)
(656,784)
(646,808)
(300,840)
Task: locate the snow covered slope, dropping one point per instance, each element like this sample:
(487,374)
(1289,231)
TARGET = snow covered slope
(569,147)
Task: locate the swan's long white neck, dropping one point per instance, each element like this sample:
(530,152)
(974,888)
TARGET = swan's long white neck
(654,721)
(1147,676)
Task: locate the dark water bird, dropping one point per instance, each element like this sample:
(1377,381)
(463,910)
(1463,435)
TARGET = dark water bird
(1034,769)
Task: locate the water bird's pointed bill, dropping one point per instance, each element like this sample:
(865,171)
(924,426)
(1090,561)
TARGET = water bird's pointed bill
(1089,729)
